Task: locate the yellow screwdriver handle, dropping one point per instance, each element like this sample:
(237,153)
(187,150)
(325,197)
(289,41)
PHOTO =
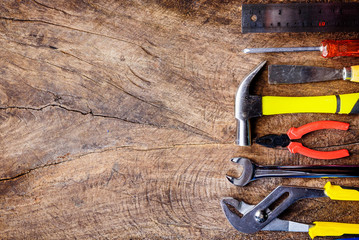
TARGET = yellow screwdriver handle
(354,73)
(342,104)
(332,229)
(336,192)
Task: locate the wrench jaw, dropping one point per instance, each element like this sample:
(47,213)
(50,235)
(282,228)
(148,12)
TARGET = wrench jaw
(247,172)
(236,221)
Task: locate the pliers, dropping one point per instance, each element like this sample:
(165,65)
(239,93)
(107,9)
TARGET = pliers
(263,216)
(284,140)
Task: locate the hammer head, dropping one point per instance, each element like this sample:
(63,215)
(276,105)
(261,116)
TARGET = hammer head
(246,107)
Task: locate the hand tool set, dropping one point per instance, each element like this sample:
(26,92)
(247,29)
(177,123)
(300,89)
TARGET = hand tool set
(249,106)
(295,17)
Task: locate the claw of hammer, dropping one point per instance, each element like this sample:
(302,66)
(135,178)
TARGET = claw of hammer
(246,107)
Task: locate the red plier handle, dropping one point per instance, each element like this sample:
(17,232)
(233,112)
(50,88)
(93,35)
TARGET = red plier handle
(296,147)
(297,133)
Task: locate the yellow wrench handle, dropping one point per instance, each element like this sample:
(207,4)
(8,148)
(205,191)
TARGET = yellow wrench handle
(343,104)
(336,192)
(354,73)
(332,229)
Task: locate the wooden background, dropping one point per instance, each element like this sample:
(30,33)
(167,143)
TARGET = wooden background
(117,120)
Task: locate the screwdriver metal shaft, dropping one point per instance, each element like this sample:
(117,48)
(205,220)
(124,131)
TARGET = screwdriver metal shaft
(285,49)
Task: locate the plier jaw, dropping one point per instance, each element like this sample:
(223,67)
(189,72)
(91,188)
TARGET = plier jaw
(284,140)
(273,140)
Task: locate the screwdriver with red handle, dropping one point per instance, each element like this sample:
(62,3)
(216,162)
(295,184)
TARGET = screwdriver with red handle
(328,49)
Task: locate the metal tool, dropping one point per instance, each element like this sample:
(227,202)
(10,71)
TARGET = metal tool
(249,106)
(251,171)
(300,17)
(289,74)
(284,140)
(263,216)
(328,49)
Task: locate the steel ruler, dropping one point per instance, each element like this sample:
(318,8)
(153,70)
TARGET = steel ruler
(300,17)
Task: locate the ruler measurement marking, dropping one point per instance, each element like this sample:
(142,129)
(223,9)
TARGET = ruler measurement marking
(300,17)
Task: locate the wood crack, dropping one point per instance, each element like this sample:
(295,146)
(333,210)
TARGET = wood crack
(53,8)
(70,110)
(186,126)
(139,77)
(109,82)
(181,146)
(67,27)
(110,149)
(29,44)
(33,169)
(148,52)
(52,164)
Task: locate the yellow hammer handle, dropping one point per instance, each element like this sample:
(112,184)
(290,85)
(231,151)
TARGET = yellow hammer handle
(342,104)
(336,192)
(332,229)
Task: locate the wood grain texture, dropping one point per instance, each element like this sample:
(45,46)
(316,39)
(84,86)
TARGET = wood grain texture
(116,120)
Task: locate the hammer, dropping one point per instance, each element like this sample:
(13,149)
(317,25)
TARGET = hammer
(249,106)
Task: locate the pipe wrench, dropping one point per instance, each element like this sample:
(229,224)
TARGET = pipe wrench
(263,216)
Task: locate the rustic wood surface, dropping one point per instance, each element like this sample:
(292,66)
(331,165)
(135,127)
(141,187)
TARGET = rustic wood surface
(116,120)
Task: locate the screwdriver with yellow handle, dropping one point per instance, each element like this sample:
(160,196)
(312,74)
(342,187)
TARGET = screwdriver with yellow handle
(328,49)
